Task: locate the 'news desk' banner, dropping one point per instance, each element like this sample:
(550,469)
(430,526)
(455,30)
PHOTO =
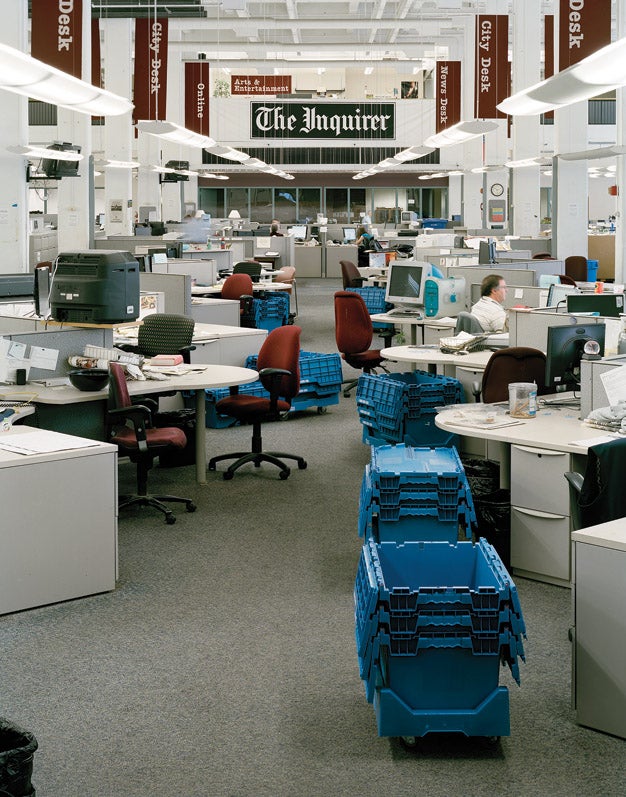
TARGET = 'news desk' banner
(57,34)
(448,94)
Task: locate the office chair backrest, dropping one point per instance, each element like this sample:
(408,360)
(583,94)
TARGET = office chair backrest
(248,267)
(564,279)
(164,333)
(576,267)
(602,496)
(118,389)
(281,349)
(542,256)
(466,322)
(288,274)
(515,364)
(350,274)
(236,286)
(353,325)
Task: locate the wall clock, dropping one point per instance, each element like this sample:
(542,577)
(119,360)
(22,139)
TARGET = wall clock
(497,189)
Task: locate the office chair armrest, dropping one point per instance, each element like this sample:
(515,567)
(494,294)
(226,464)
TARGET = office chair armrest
(275,375)
(185,351)
(129,347)
(140,417)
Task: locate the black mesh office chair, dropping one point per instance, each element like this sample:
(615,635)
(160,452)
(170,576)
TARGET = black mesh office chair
(164,333)
(253,269)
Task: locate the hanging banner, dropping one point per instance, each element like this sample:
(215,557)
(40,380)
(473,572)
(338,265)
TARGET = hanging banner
(260,84)
(447,95)
(584,27)
(338,121)
(96,68)
(150,96)
(492,74)
(57,34)
(197,97)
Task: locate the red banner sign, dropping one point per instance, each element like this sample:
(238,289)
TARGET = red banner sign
(57,34)
(448,94)
(197,96)
(150,96)
(260,84)
(584,27)
(96,67)
(492,68)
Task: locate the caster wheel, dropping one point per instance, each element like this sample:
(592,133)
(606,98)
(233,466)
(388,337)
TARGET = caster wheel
(211,465)
(409,742)
(170,520)
(492,741)
(191,507)
(322,410)
(284,474)
(302,465)
(346,395)
(228,475)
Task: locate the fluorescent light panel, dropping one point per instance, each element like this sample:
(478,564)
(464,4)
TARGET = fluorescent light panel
(172,132)
(460,133)
(45,152)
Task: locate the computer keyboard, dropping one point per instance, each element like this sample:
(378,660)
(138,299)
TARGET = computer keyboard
(405,314)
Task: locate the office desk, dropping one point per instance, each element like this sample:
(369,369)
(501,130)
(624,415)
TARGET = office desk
(67,398)
(216,290)
(411,321)
(534,454)
(59,523)
(433,356)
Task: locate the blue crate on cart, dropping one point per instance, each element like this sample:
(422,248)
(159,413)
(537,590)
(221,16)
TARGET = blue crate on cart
(319,373)
(433,624)
(374,298)
(272,311)
(400,407)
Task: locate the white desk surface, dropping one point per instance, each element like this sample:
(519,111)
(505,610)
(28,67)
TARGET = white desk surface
(205,376)
(10,459)
(203,290)
(555,428)
(201,332)
(426,355)
(604,535)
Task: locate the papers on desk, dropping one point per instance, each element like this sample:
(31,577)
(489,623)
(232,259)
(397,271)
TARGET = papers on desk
(43,442)
(595,441)
(477,416)
(172,370)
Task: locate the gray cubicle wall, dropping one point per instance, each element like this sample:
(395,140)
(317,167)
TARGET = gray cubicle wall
(593,394)
(531,328)
(175,287)
(538,266)
(525,295)
(536,245)
(203,271)
(475,275)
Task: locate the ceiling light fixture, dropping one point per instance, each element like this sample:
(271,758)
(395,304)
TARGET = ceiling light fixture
(598,73)
(523,163)
(44,152)
(172,132)
(460,133)
(25,75)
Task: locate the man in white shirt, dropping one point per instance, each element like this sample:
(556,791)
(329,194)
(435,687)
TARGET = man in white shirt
(488,310)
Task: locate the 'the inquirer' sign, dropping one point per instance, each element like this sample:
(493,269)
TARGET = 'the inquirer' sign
(362,120)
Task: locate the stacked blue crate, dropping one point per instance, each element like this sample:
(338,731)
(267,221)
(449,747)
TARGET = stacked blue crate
(434,617)
(429,650)
(415,493)
(401,407)
(272,311)
(374,298)
(320,385)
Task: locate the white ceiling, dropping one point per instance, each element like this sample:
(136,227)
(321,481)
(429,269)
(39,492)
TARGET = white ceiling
(289,32)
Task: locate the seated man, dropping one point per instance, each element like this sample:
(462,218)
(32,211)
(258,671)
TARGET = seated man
(488,310)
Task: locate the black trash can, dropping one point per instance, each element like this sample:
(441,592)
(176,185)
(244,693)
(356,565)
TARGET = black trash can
(483,475)
(493,515)
(181,419)
(17,748)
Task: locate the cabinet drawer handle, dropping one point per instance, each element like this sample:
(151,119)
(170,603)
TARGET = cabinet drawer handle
(541,451)
(537,513)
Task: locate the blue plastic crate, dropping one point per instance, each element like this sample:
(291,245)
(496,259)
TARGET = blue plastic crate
(374,298)
(319,373)
(393,467)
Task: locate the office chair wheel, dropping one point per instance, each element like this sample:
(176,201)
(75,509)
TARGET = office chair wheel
(302,465)
(228,475)
(191,507)
(170,519)
(284,474)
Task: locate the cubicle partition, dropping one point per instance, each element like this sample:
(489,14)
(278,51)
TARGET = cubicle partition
(202,271)
(530,328)
(175,287)
(516,296)
(476,274)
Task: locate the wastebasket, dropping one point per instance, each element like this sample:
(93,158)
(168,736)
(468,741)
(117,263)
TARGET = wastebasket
(181,419)
(493,516)
(17,748)
(483,475)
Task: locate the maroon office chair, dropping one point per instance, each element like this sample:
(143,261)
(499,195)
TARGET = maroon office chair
(542,256)
(278,364)
(239,287)
(515,364)
(565,280)
(141,443)
(350,275)
(353,334)
(576,267)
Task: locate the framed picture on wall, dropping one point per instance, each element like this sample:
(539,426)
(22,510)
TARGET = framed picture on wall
(409,90)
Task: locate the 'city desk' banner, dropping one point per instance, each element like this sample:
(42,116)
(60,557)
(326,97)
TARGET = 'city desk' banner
(197,97)
(492,68)
(57,34)
(150,96)
(448,95)
(584,27)
(260,84)
(336,120)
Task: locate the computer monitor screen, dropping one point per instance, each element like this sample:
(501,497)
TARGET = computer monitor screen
(405,282)
(298,231)
(564,351)
(56,169)
(486,252)
(145,263)
(557,294)
(377,260)
(349,234)
(606,304)
(157,227)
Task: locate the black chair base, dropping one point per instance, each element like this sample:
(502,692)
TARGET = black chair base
(156,502)
(350,385)
(243,457)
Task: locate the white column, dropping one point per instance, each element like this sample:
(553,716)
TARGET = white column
(525,184)
(148,187)
(75,194)
(620,174)
(118,130)
(13,132)
(569,178)
(470,155)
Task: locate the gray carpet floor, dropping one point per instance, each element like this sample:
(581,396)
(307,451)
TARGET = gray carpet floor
(224,663)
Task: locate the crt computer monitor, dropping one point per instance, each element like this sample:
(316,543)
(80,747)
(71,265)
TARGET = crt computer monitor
(405,282)
(564,351)
(298,231)
(557,294)
(487,252)
(605,304)
(349,234)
